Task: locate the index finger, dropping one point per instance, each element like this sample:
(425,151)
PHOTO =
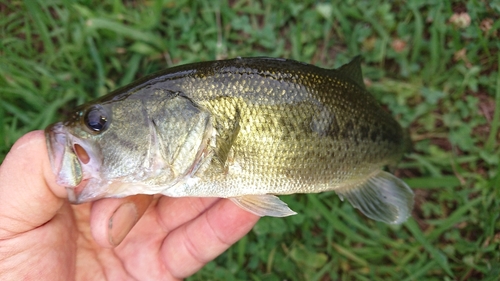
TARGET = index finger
(188,248)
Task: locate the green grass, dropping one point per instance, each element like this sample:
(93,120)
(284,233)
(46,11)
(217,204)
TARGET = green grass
(440,80)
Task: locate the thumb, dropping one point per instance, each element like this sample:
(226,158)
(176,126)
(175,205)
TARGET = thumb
(29,195)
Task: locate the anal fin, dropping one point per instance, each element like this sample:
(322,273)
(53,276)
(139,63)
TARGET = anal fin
(382,197)
(263,205)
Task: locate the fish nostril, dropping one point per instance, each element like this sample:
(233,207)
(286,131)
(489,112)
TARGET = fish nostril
(81,153)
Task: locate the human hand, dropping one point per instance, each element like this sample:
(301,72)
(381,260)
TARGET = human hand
(43,237)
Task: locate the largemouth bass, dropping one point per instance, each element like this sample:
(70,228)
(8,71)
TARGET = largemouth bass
(245,129)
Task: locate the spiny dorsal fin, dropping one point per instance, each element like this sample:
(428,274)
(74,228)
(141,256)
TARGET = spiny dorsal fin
(352,70)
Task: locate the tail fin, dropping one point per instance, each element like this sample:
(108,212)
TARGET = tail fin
(382,197)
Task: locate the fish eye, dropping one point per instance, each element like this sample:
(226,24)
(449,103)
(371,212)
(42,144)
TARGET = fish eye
(97,119)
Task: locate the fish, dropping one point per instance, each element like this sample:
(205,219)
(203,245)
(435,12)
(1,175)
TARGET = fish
(247,129)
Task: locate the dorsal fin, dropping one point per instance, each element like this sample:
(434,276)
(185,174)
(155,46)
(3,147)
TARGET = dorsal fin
(352,70)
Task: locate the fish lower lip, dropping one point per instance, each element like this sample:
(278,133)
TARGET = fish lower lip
(75,193)
(71,195)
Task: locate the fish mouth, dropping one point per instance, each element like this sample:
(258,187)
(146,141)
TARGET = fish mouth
(62,156)
(72,161)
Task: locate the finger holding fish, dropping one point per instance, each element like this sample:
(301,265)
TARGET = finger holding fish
(177,236)
(112,219)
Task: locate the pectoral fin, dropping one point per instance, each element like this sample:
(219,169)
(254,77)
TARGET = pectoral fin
(382,197)
(263,205)
(228,128)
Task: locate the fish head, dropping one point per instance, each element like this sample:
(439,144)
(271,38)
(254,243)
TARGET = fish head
(103,148)
(75,149)
(143,144)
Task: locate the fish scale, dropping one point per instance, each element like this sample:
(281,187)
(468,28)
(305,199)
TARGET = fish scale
(245,129)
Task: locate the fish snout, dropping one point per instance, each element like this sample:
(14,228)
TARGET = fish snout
(75,162)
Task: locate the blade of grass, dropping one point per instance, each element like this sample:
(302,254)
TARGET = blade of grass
(409,256)
(36,13)
(375,235)
(19,113)
(453,219)
(131,70)
(438,256)
(130,32)
(495,123)
(420,272)
(94,53)
(339,225)
(433,182)
(417,35)
(241,246)
(350,255)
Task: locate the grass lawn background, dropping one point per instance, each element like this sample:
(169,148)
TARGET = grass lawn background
(433,64)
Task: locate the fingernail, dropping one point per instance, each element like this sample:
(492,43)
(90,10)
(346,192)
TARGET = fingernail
(121,222)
